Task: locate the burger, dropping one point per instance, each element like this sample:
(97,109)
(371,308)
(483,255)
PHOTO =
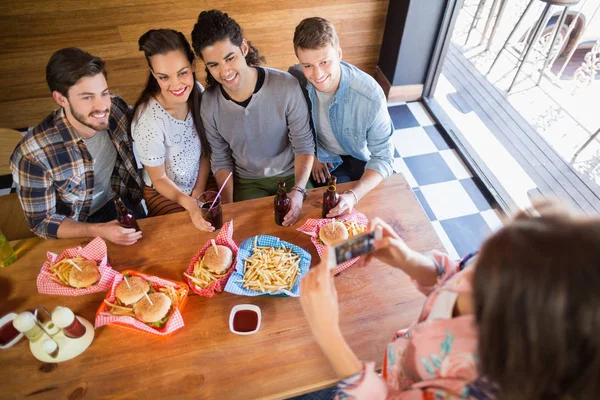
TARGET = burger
(132,293)
(333,232)
(218,259)
(154,312)
(85,276)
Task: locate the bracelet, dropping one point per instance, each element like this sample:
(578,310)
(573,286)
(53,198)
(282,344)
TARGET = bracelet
(301,190)
(353,194)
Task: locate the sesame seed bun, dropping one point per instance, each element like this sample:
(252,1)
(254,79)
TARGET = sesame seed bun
(88,275)
(218,263)
(146,312)
(333,232)
(132,293)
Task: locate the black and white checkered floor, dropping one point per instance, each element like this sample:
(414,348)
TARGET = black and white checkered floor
(462,212)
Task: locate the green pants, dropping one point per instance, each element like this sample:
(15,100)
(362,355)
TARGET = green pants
(247,189)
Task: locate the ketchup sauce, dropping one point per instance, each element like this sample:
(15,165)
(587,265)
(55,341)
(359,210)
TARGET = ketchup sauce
(245,321)
(8,333)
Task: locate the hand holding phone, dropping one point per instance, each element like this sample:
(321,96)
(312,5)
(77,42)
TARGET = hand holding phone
(354,247)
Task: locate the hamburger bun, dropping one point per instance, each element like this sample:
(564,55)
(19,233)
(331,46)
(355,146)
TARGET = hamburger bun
(333,232)
(218,263)
(88,275)
(132,293)
(146,312)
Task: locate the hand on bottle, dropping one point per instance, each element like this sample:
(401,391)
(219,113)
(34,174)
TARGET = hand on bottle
(390,249)
(293,214)
(320,171)
(115,233)
(319,301)
(346,205)
(199,222)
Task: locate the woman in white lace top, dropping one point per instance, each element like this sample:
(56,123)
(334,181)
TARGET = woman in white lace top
(167,133)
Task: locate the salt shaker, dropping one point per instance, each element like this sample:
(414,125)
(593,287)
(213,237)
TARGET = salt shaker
(50,347)
(26,323)
(64,318)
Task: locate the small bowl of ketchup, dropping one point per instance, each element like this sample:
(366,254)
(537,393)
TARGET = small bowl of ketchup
(9,336)
(244,319)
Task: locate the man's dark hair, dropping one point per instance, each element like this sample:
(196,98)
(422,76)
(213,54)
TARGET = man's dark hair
(67,66)
(214,26)
(537,307)
(163,41)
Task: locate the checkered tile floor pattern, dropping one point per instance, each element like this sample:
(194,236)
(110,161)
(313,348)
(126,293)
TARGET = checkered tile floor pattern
(461,210)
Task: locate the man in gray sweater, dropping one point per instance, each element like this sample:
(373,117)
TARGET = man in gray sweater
(256,119)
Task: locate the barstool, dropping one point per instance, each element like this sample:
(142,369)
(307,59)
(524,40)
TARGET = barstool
(490,16)
(537,31)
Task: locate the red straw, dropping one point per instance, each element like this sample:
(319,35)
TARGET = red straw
(220,190)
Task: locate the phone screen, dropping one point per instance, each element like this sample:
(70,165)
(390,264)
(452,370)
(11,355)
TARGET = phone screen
(354,247)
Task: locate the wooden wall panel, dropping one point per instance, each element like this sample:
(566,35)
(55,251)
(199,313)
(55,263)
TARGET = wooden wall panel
(31,30)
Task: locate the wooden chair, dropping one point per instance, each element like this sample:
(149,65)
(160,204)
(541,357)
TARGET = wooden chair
(12,220)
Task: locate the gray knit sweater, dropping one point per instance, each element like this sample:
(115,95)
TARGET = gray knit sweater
(260,140)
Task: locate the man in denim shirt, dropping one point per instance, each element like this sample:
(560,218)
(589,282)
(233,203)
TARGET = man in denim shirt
(348,111)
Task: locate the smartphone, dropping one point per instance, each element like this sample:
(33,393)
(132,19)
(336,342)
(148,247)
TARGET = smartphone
(354,247)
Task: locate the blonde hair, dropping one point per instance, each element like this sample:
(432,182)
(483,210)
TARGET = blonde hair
(315,33)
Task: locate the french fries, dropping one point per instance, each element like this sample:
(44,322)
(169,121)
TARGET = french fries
(62,269)
(354,228)
(114,309)
(269,269)
(202,277)
(176,295)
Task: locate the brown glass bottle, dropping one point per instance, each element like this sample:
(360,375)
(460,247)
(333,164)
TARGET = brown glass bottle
(281,202)
(125,217)
(330,197)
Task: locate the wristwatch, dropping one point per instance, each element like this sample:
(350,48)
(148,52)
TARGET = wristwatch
(301,190)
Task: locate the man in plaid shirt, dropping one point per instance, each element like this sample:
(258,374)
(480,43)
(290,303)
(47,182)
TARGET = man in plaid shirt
(71,165)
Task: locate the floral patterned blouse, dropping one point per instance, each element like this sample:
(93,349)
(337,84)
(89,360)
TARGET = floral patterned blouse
(435,358)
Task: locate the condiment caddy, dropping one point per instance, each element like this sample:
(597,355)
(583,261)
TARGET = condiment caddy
(55,337)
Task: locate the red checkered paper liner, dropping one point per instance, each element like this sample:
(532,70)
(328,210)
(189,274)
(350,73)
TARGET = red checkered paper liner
(94,251)
(174,323)
(312,226)
(224,238)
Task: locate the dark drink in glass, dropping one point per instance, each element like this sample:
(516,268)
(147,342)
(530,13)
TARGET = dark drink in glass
(330,197)
(281,202)
(213,215)
(124,215)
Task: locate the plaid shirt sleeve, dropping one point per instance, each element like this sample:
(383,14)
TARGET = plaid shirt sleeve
(37,195)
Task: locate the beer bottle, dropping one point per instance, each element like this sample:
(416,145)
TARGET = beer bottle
(330,197)
(281,202)
(124,216)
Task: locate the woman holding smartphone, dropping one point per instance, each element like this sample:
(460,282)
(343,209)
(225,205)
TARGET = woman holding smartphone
(518,321)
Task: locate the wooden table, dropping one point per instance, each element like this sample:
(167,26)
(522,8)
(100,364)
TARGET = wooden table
(204,359)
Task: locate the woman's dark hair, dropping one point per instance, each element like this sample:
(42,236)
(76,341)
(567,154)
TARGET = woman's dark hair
(163,41)
(214,26)
(536,293)
(67,66)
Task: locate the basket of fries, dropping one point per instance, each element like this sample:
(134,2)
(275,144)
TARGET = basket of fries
(113,312)
(199,276)
(77,271)
(267,265)
(355,222)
